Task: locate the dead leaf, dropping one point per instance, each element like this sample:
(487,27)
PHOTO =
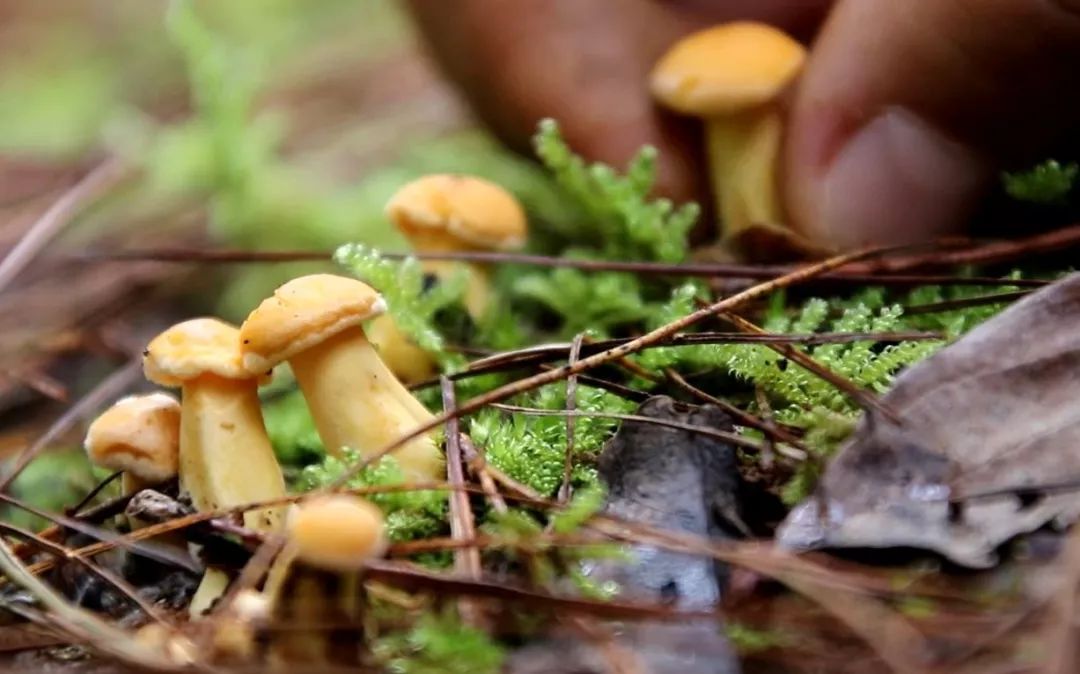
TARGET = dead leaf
(994,412)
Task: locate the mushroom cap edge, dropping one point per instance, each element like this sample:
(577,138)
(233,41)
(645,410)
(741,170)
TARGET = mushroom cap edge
(302,313)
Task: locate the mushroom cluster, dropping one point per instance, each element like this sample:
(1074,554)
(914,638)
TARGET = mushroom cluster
(214,439)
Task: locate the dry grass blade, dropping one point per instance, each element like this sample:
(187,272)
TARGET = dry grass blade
(994,252)
(725,436)
(410,577)
(571,405)
(96,514)
(950,305)
(614,354)
(181,523)
(549,352)
(462,525)
(60,552)
(478,466)
(96,632)
(865,398)
(895,641)
(58,215)
(734,271)
(742,418)
(153,551)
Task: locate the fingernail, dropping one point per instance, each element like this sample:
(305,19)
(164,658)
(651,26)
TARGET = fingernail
(897,180)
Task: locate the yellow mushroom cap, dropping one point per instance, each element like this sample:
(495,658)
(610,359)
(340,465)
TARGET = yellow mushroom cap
(302,313)
(138,434)
(726,69)
(339,532)
(475,211)
(193,348)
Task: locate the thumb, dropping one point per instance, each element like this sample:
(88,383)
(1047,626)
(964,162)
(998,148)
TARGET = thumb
(907,110)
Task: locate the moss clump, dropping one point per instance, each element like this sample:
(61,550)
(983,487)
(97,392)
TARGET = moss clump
(410,514)
(439,644)
(1049,183)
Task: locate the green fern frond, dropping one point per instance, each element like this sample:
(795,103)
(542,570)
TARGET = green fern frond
(439,644)
(409,300)
(630,224)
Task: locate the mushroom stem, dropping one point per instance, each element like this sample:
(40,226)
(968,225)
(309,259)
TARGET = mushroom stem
(226,459)
(130,484)
(743,153)
(357,402)
(477,280)
(477,283)
(316,580)
(406,360)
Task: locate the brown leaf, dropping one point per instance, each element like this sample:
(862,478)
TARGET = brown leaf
(994,412)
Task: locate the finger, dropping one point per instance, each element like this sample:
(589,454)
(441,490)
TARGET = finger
(580,61)
(799,18)
(907,110)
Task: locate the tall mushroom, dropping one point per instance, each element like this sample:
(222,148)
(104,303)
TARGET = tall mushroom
(316,579)
(139,435)
(226,459)
(448,213)
(314,322)
(731,76)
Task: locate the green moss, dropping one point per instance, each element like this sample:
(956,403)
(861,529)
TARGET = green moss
(409,514)
(412,302)
(1047,183)
(751,640)
(53,482)
(628,224)
(439,644)
(531,449)
(292,430)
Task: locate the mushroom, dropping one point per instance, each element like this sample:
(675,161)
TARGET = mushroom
(316,578)
(314,322)
(140,436)
(406,360)
(226,459)
(446,213)
(731,76)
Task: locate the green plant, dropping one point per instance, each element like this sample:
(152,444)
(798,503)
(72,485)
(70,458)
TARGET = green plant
(532,449)
(410,514)
(52,482)
(412,302)
(438,643)
(625,223)
(1047,183)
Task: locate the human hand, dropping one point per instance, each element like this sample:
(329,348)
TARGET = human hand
(904,114)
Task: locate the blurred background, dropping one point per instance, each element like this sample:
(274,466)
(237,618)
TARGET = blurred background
(142,124)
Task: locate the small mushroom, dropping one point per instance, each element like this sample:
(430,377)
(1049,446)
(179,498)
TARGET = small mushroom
(337,533)
(731,76)
(314,322)
(139,435)
(316,579)
(446,213)
(226,459)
